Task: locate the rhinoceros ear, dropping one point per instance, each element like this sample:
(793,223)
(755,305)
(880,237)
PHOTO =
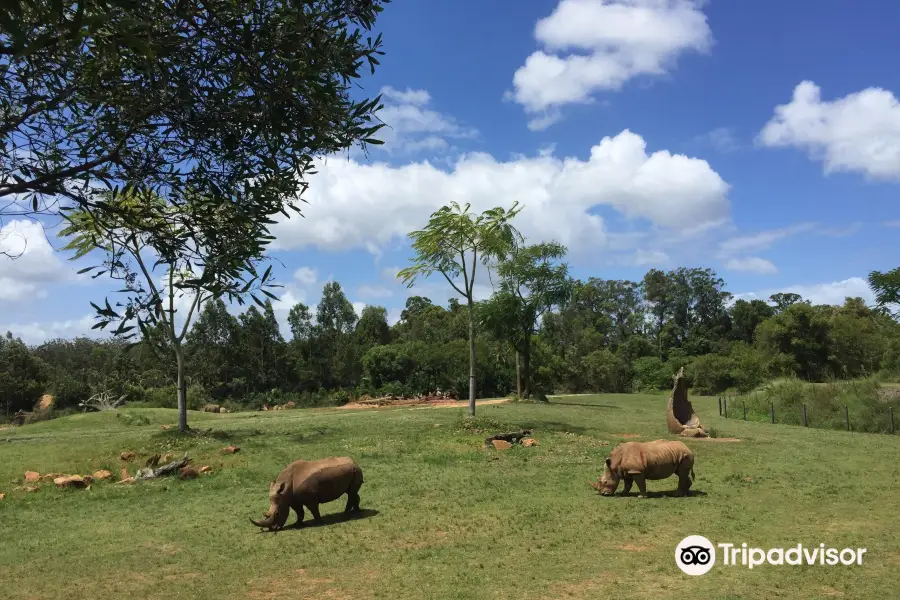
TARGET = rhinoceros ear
(280,488)
(608,461)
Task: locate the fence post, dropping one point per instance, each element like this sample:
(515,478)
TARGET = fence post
(805,422)
(891,413)
(772,411)
(725,404)
(745,409)
(720,406)
(847,416)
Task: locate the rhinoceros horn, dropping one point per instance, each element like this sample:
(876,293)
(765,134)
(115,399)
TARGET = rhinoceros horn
(268,522)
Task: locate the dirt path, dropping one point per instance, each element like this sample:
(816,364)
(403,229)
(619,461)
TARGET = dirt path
(413,405)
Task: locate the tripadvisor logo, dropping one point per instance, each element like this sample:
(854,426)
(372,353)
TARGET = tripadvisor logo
(696,555)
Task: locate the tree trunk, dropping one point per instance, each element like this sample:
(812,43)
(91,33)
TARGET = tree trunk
(471,357)
(526,369)
(518,377)
(182,390)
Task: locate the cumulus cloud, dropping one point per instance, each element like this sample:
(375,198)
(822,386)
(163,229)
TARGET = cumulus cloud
(35,333)
(374,291)
(306,276)
(722,139)
(599,45)
(27,262)
(752,264)
(857,133)
(355,205)
(833,293)
(413,128)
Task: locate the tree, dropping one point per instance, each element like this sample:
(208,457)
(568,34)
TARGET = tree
(784,300)
(144,232)
(886,287)
(22,375)
(657,290)
(229,100)
(335,323)
(746,317)
(372,328)
(530,285)
(453,243)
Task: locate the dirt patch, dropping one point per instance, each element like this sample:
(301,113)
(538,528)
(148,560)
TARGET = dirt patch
(831,592)
(628,435)
(167,548)
(425,402)
(273,588)
(721,440)
(633,548)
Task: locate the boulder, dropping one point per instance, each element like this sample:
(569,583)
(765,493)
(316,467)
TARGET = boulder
(187,473)
(102,475)
(230,449)
(32,488)
(529,442)
(32,476)
(73,481)
(2,495)
(501,444)
(127,456)
(680,416)
(205,469)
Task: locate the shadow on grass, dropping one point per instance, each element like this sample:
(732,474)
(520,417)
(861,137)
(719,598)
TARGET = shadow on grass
(329,519)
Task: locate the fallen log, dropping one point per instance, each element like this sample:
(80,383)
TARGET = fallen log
(513,437)
(152,472)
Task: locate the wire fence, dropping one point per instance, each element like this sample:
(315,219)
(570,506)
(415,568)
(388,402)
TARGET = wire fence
(830,417)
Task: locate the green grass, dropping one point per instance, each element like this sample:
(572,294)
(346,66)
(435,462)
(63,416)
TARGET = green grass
(447,518)
(867,404)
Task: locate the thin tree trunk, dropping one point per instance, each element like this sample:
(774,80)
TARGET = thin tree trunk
(471,357)
(518,377)
(182,390)
(526,368)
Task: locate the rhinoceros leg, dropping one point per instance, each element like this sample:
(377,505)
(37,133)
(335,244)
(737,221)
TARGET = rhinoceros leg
(298,508)
(627,488)
(641,482)
(314,509)
(352,502)
(684,477)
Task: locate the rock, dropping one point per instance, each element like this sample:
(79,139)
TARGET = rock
(205,469)
(529,442)
(32,476)
(681,419)
(127,456)
(102,475)
(290,404)
(166,458)
(76,481)
(44,403)
(501,445)
(88,480)
(166,427)
(127,480)
(187,473)
(32,488)
(230,449)
(2,495)
(124,474)
(224,410)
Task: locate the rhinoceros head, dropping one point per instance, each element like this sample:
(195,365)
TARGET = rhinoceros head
(279,507)
(609,481)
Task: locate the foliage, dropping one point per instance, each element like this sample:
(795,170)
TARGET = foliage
(228,100)
(453,243)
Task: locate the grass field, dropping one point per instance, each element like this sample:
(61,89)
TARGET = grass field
(445,518)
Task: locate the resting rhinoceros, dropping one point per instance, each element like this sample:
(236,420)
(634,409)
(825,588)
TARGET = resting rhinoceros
(636,462)
(308,483)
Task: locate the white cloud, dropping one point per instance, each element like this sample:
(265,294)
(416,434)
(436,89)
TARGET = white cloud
(413,128)
(27,262)
(354,205)
(857,133)
(761,240)
(390,273)
(358,307)
(306,276)
(35,333)
(643,258)
(833,293)
(752,264)
(722,139)
(393,316)
(594,45)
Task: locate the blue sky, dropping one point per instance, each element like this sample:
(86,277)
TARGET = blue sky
(760,139)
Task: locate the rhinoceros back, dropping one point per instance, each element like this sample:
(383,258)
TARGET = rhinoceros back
(326,479)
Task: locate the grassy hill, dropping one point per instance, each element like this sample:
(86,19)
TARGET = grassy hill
(445,518)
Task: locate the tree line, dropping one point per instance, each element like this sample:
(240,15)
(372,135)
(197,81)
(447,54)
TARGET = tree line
(591,335)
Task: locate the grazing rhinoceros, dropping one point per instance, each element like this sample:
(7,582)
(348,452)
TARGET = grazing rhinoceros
(310,483)
(636,462)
